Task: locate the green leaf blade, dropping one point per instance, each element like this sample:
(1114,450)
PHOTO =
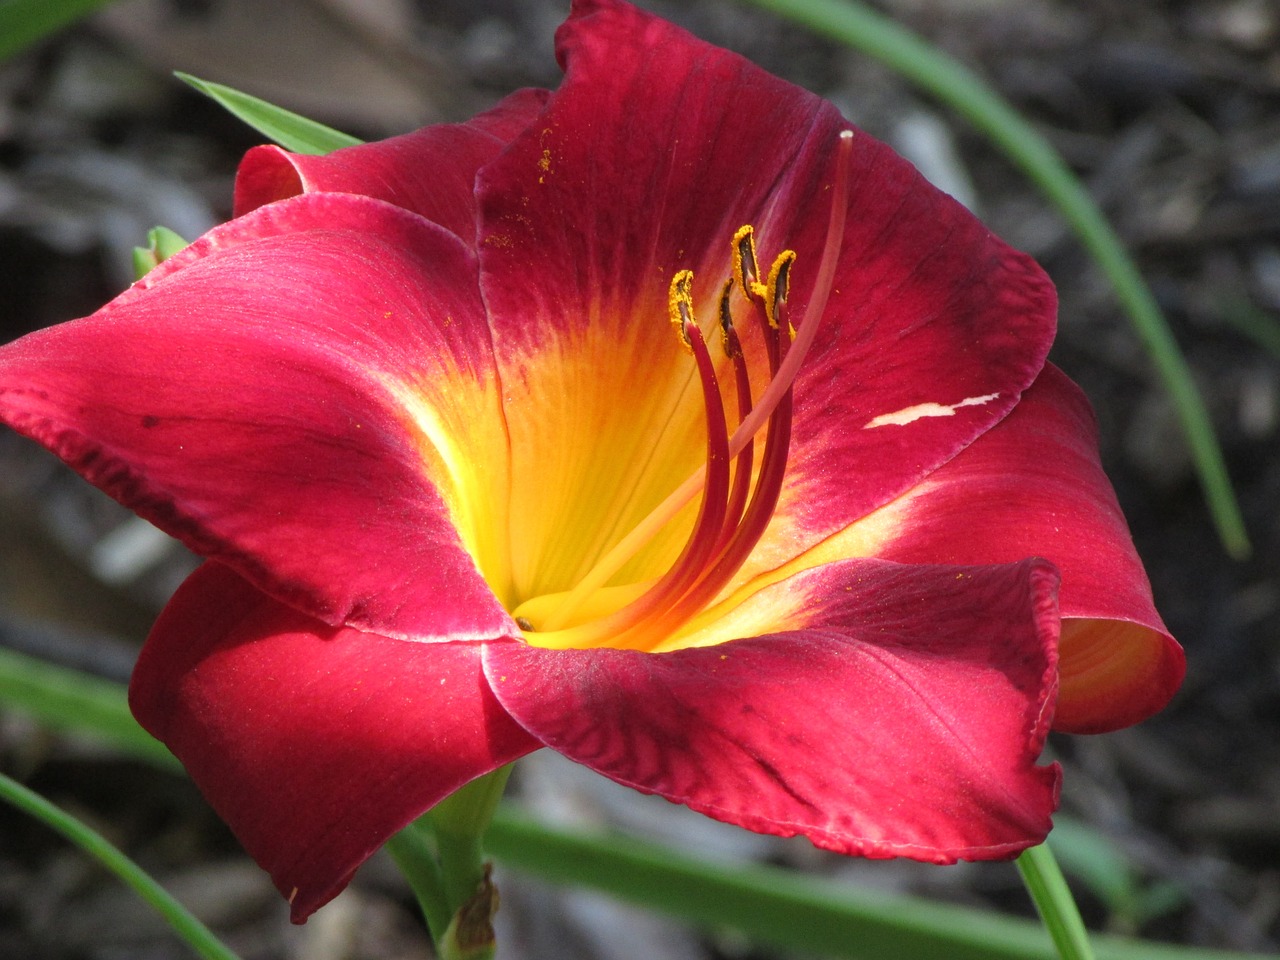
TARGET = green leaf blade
(184,923)
(69,700)
(290,130)
(1054,902)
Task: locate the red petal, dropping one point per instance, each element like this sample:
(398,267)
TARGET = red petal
(430,171)
(314,744)
(902,717)
(263,397)
(653,151)
(933,315)
(1034,486)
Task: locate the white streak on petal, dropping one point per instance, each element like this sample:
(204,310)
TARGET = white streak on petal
(900,418)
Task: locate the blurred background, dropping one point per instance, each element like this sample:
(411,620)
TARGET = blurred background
(1168,109)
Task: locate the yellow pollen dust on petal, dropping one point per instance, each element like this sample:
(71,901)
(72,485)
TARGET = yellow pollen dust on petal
(738,486)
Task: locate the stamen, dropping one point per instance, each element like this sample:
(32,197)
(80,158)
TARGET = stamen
(725,531)
(728,336)
(776,289)
(746,269)
(736,544)
(817,305)
(743,462)
(711,515)
(700,547)
(750,530)
(680,304)
(748,533)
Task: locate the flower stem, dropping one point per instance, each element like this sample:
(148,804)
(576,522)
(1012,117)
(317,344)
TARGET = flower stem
(184,923)
(415,855)
(459,823)
(442,857)
(1053,900)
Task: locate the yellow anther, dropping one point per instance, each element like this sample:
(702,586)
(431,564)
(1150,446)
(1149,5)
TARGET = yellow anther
(746,271)
(776,288)
(680,303)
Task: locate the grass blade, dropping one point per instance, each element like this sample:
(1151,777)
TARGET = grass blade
(183,922)
(291,130)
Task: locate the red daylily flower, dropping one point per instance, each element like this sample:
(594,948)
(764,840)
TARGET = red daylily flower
(464,492)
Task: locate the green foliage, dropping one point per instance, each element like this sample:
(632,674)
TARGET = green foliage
(65,699)
(1260,326)
(1109,875)
(24,22)
(183,922)
(291,131)
(1053,900)
(162,243)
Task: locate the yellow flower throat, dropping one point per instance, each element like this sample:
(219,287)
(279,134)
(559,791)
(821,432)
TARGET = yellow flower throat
(739,495)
